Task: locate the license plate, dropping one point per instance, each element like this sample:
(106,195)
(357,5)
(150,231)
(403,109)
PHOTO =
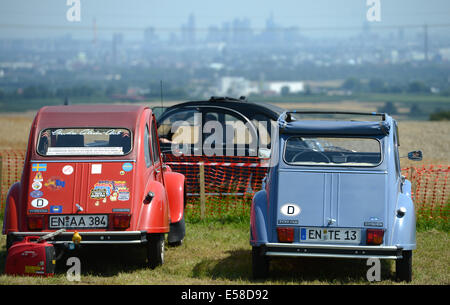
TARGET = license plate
(338,235)
(78,221)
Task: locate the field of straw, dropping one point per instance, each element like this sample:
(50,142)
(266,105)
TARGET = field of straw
(430,137)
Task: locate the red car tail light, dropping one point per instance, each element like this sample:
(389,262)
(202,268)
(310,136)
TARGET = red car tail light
(36,222)
(285,235)
(121,221)
(374,236)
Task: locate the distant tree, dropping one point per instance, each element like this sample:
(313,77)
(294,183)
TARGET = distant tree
(2,94)
(418,87)
(388,108)
(415,110)
(377,85)
(352,83)
(395,89)
(442,115)
(39,91)
(30,92)
(62,92)
(445,92)
(82,90)
(116,88)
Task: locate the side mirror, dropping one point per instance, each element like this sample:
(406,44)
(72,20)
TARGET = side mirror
(264,153)
(415,155)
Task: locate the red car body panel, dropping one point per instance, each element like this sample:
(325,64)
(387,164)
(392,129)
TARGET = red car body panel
(96,185)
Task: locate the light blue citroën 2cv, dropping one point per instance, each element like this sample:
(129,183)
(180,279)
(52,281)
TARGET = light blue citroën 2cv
(335,189)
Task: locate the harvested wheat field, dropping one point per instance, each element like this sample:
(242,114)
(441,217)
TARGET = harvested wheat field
(433,138)
(17,127)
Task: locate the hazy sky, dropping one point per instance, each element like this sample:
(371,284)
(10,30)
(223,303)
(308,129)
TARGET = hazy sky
(42,18)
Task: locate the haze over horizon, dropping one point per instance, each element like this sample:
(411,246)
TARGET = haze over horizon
(321,18)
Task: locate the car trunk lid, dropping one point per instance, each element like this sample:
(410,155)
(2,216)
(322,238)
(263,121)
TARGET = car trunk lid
(65,187)
(332,198)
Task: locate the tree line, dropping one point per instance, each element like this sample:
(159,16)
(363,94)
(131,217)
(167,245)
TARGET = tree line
(41,91)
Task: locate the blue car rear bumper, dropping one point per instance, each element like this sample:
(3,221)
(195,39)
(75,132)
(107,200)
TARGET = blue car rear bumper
(336,251)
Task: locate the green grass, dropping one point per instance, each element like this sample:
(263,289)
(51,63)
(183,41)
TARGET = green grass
(217,251)
(426,223)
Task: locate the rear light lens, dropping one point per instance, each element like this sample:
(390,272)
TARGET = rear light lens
(285,235)
(35,222)
(375,236)
(121,221)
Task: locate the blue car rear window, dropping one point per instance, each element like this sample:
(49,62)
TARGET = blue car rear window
(332,151)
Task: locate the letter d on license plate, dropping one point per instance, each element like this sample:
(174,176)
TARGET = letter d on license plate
(337,235)
(78,221)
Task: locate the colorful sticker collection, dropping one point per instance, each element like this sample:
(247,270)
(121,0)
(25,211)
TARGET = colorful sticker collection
(106,189)
(114,190)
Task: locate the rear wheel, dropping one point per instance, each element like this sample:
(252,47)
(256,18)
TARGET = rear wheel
(155,250)
(403,267)
(260,263)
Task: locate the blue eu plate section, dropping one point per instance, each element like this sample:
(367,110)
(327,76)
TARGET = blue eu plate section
(56,209)
(303,234)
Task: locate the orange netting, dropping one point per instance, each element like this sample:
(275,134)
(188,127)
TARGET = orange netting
(11,166)
(230,183)
(429,189)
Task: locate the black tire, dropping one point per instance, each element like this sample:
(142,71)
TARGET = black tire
(403,267)
(9,241)
(260,263)
(155,250)
(177,232)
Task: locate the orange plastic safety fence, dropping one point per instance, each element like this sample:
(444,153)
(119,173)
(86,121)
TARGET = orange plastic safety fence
(230,183)
(11,166)
(429,189)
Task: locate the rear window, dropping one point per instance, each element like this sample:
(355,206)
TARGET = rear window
(84,142)
(332,151)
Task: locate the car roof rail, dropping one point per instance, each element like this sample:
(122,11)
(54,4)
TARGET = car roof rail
(288,117)
(226,98)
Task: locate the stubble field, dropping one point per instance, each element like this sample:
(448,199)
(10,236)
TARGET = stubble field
(433,138)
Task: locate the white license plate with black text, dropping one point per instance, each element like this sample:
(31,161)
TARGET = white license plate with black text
(78,221)
(339,235)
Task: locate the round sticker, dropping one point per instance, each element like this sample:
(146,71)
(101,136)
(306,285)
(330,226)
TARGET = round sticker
(290,209)
(36,194)
(127,167)
(36,185)
(39,203)
(67,170)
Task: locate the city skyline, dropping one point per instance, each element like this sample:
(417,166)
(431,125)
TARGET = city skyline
(322,18)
